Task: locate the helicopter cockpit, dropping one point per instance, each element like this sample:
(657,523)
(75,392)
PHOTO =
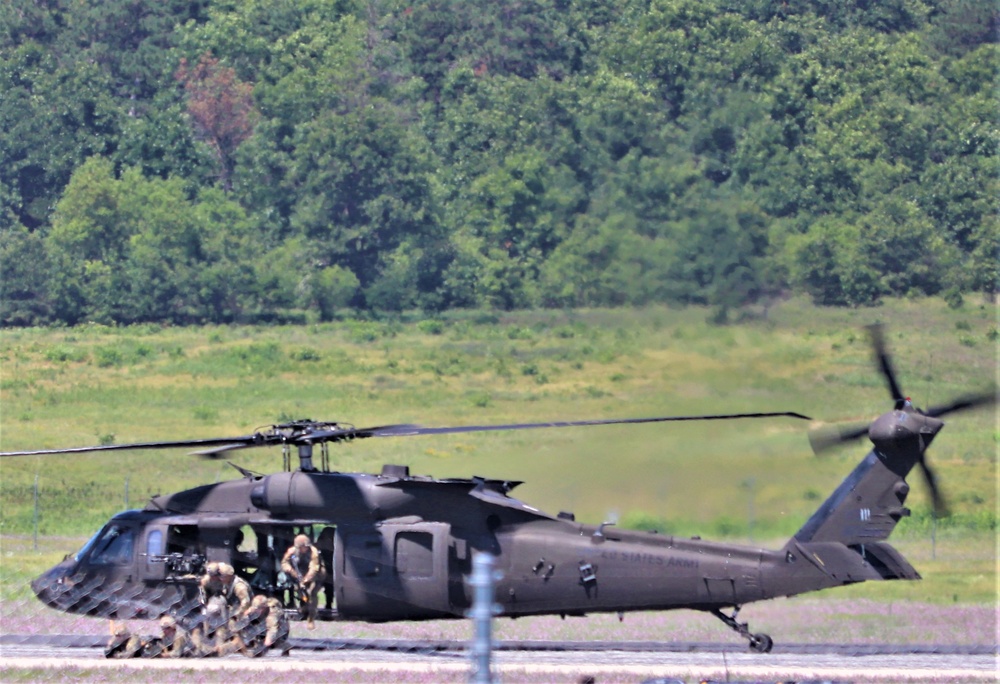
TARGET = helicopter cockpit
(114,546)
(112,543)
(140,549)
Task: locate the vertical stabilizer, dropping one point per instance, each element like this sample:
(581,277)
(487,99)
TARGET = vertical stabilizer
(863,509)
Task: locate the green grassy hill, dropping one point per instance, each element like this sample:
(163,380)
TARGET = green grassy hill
(94,384)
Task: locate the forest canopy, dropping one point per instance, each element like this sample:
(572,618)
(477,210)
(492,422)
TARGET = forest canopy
(187,161)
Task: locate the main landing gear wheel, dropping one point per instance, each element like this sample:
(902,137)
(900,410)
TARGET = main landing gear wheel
(759,643)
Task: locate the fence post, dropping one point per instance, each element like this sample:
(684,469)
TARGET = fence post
(35,517)
(483,582)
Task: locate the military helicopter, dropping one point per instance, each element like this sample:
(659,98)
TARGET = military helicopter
(399,546)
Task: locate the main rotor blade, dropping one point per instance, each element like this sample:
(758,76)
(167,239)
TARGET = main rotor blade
(347,433)
(218,451)
(878,342)
(317,433)
(248,440)
(963,403)
(409,430)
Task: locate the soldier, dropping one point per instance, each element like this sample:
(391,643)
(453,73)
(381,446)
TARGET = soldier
(252,630)
(277,627)
(304,564)
(210,584)
(266,627)
(236,591)
(211,637)
(175,641)
(123,644)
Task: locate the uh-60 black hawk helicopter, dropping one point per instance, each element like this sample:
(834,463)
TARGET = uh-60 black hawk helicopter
(399,546)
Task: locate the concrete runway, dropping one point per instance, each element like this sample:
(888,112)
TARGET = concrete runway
(533,665)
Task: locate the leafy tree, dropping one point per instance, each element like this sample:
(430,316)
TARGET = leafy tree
(53,117)
(164,253)
(984,266)
(30,21)
(222,108)
(73,75)
(664,47)
(602,263)
(88,246)
(913,257)
(224,285)
(162,144)
(128,40)
(23,272)
(332,288)
(960,26)
(363,189)
(381,154)
(524,39)
(717,256)
(829,264)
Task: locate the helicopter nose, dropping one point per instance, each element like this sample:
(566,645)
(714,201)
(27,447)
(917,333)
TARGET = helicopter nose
(52,586)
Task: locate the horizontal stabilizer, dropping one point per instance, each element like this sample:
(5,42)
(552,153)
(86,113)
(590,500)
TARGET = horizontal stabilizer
(849,564)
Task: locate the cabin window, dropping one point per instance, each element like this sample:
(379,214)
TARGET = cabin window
(154,543)
(183,539)
(115,546)
(415,554)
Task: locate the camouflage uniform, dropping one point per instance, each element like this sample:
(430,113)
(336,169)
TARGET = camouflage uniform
(123,644)
(237,595)
(211,637)
(266,627)
(304,564)
(277,627)
(210,584)
(175,642)
(236,591)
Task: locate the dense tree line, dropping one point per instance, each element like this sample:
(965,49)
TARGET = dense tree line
(231,160)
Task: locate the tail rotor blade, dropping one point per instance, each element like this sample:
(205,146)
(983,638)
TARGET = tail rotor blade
(885,364)
(831,436)
(969,401)
(937,498)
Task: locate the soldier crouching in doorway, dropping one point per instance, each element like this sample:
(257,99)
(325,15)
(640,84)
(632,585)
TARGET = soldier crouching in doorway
(303,564)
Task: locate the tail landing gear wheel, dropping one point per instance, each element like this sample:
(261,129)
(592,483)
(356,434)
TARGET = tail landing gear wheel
(761,643)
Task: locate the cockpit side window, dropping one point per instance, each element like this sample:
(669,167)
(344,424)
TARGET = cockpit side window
(154,543)
(115,546)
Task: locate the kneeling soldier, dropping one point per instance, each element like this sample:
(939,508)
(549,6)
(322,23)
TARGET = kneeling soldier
(174,643)
(266,627)
(123,644)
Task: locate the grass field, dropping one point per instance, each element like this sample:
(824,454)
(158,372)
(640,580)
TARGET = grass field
(739,479)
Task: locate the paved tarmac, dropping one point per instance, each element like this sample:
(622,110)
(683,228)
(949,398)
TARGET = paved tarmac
(541,665)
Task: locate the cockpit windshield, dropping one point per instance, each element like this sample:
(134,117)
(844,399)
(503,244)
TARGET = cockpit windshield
(113,545)
(88,546)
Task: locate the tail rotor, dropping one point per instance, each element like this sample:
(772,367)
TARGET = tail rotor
(905,425)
